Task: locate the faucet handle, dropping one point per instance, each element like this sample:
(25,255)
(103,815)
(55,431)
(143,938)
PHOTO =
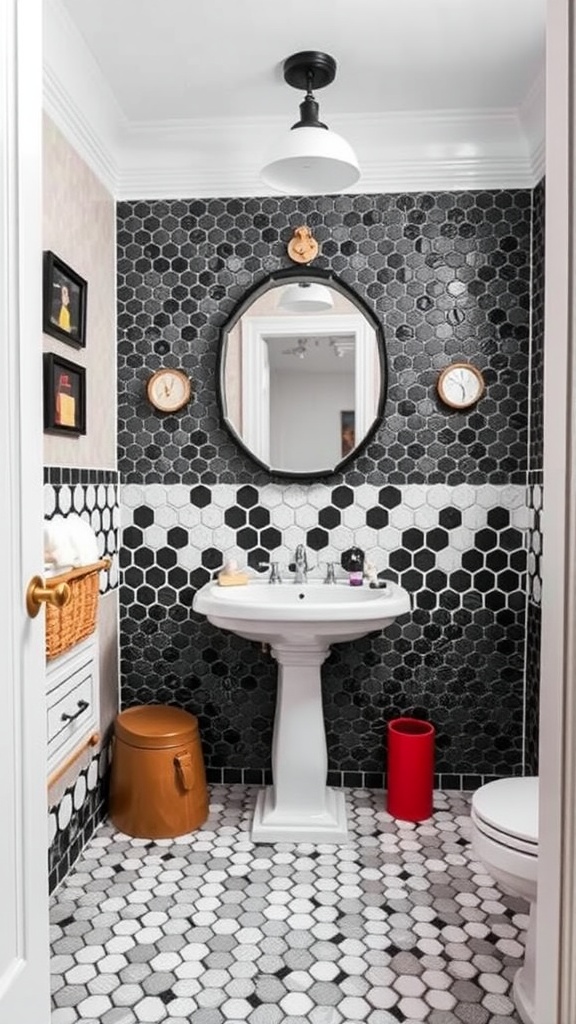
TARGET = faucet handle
(330,574)
(274,576)
(274,568)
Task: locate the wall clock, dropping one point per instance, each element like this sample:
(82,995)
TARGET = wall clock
(460,385)
(168,390)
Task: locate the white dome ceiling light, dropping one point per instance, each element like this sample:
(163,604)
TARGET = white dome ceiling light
(310,159)
(305,297)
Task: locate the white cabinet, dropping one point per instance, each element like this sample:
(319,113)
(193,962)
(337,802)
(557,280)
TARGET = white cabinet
(72,699)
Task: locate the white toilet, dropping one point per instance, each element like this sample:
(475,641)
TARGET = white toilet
(505,838)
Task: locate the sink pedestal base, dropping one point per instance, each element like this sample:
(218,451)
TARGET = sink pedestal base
(299,806)
(272,825)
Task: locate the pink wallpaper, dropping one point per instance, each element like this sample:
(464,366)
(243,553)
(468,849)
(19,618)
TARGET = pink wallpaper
(79,226)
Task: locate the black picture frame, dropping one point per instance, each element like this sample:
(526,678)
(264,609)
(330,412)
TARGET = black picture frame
(64,302)
(64,395)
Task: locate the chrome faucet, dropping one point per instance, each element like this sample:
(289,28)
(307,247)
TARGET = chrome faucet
(300,565)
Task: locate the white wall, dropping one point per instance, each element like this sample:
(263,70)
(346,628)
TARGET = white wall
(305,433)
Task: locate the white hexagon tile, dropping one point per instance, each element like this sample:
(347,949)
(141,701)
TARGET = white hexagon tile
(93,495)
(398,924)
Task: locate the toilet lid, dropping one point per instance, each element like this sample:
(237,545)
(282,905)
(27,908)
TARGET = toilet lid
(510,806)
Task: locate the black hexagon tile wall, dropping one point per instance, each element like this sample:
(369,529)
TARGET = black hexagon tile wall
(438,499)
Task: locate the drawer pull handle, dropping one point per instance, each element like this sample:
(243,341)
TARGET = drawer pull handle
(82,705)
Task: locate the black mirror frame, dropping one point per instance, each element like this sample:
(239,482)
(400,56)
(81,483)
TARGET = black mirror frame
(321,277)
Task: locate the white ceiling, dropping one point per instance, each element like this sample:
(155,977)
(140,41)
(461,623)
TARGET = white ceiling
(187,93)
(223,58)
(320,355)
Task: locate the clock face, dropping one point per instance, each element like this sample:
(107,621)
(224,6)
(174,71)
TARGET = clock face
(460,385)
(168,390)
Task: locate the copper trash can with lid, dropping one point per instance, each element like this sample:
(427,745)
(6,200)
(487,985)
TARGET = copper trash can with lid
(158,783)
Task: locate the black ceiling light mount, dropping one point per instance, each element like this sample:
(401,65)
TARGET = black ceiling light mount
(307,71)
(311,159)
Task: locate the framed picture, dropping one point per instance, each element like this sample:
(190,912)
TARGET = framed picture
(64,306)
(64,395)
(347,432)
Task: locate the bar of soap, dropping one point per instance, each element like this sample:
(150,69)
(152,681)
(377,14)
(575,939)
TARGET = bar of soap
(233,579)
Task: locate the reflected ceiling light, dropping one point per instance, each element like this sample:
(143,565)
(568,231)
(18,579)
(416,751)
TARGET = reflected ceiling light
(305,297)
(310,159)
(299,350)
(342,346)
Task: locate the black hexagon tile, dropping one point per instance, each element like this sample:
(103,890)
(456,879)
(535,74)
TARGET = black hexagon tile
(447,274)
(459,550)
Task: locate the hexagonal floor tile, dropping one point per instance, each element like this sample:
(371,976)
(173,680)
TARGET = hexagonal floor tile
(400,923)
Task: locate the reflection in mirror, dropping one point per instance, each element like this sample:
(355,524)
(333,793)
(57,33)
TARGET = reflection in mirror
(302,375)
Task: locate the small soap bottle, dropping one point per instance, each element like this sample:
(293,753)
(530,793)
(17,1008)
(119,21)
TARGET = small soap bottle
(356,567)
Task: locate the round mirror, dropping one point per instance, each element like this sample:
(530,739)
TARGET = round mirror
(302,373)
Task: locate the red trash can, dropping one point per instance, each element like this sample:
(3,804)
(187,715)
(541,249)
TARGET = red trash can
(410,769)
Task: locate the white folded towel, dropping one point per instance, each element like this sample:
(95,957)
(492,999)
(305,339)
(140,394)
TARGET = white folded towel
(84,540)
(59,551)
(69,541)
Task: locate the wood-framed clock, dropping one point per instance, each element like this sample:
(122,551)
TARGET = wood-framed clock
(461,385)
(168,390)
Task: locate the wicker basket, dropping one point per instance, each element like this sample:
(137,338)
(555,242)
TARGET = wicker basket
(75,620)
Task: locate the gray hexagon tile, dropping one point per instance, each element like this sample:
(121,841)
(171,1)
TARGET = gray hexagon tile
(399,924)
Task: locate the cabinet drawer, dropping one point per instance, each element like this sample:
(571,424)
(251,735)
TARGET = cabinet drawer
(70,709)
(66,665)
(72,700)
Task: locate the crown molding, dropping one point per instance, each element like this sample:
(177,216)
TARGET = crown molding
(398,174)
(539,163)
(532,116)
(398,152)
(76,128)
(77,97)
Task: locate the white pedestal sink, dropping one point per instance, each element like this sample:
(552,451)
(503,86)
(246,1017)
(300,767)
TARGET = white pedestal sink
(300,622)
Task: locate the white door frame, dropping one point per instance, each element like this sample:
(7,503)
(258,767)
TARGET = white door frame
(256,329)
(556,939)
(24,949)
(556,934)
(256,394)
